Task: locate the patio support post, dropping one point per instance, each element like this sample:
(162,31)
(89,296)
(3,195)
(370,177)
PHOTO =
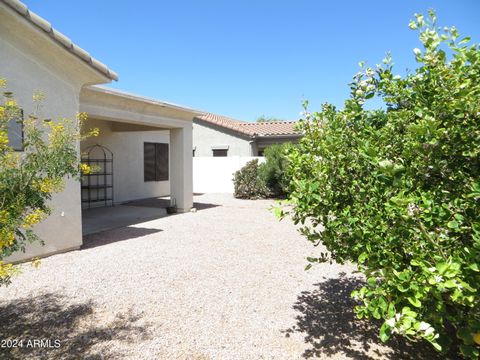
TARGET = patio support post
(181,167)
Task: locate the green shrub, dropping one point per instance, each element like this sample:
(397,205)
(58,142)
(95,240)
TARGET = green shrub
(397,190)
(248,184)
(272,171)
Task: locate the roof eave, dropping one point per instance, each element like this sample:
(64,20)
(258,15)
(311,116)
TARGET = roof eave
(62,40)
(137,98)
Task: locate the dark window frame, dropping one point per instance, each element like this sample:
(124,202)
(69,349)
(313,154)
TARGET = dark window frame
(220,152)
(156,161)
(22,139)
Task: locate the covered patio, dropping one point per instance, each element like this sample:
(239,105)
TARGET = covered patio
(143,151)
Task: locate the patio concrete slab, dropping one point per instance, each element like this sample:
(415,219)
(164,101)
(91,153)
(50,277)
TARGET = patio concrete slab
(107,218)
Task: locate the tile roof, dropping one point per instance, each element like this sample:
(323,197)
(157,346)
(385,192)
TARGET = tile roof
(59,38)
(273,128)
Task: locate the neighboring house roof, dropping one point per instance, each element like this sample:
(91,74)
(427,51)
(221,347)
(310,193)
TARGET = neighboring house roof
(59,38)
(262,129)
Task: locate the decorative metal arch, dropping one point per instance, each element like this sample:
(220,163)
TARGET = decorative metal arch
(97,186)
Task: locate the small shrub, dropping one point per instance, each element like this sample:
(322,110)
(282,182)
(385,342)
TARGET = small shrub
(273,170)
(248,184)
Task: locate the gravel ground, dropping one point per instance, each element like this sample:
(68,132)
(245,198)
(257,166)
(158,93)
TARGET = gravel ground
(226,282)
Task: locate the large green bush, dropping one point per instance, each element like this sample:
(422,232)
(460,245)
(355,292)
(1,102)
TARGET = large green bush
(248,184)
(397,190)
(273,170)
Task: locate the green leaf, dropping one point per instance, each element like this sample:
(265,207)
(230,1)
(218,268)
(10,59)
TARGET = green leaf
(474,267)
(442,267)
(363,256)
(278,212)
(466,335)
(464,40)
(414,301)
(450,284)
(453,224)
(385,332)
(469,351)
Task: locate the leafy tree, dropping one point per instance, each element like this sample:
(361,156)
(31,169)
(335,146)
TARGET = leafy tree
(264,118)
(28,178)
(397,190)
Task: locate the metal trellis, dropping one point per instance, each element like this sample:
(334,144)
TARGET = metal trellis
(97,186)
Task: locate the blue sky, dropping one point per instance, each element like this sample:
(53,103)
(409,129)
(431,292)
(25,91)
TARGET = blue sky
(248,58)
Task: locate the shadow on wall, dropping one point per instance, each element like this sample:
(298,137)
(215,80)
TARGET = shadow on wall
(330,327)
(115,235)
(48,317)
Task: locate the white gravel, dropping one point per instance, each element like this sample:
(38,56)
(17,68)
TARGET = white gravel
(226,282)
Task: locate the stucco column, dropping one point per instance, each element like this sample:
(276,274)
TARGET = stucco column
(181,167)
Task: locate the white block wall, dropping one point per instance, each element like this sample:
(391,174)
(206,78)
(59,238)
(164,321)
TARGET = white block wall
(215,174)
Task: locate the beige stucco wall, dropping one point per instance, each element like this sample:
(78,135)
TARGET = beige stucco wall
(127,148)
(30,61)
(206,136)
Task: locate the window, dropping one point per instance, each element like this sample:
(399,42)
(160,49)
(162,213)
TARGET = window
(219,152)
(260,152)
(15,133)
(155,161)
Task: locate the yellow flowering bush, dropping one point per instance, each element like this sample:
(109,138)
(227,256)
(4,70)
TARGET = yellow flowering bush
(30,177)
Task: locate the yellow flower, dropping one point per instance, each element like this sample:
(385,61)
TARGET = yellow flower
(6,270)
(48,185)
(3,83)
(2,112)
(85,169)
(35,262)
(11,103)
(3,138)
(33,218)
(7,238)
(4,216)
(82,116)
(94,132)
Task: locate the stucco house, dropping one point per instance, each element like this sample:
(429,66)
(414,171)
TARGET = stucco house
(150,141)
(216,135)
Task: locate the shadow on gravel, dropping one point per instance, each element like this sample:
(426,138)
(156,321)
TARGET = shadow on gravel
(204,206)
(330,327)
(67,331)
(110,236)
(165,202)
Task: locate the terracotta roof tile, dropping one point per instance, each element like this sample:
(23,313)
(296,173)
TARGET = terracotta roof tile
(273,128)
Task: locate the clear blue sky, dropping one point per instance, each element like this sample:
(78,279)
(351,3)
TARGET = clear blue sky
(246,58)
